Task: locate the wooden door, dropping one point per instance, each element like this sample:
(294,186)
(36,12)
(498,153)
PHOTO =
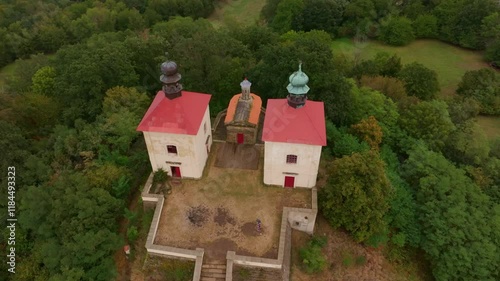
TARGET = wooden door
(289,182)
(240,138)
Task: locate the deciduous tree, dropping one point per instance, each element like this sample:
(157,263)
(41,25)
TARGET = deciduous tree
(397,31)
(459,241)
(357,203)
(420,81)
(429,121)
(482,85)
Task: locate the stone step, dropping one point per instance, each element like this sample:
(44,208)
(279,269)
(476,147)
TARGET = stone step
(213,275)
(214,262)
(212,279)
(214,270)
(221,266)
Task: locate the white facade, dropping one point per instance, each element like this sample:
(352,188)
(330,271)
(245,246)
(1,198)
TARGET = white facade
(192,150)
(304,171)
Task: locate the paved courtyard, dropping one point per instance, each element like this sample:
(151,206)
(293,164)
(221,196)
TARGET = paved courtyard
(219,212)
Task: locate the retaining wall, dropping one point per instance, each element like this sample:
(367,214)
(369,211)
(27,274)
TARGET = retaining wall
(166,251)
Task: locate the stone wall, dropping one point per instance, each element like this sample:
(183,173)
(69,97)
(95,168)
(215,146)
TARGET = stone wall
(166,251)
(249,133)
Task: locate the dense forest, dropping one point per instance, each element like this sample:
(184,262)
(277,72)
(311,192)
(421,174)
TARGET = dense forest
(87,71)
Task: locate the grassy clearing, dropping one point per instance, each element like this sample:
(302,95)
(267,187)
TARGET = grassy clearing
(490,125)
(448,61)
(239,12)
(7,71)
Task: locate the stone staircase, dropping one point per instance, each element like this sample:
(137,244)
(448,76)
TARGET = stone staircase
(213,271)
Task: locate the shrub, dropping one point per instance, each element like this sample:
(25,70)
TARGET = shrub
(397,31)
(160,176)
(312,258)
(132,234)
(360,260)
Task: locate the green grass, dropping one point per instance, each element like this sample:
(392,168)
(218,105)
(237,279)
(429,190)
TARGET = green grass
(7,71)
(490,125)
(448,61)
(240,12)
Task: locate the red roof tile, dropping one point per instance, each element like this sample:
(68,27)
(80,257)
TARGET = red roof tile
(182,115)
(305,125)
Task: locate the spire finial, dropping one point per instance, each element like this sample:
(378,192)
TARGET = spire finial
(300,65)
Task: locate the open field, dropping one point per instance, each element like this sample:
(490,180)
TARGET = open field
(448,61)
(239,12)
(219,212)
(490,125)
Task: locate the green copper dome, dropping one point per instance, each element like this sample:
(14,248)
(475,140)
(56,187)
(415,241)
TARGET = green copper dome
(298,82)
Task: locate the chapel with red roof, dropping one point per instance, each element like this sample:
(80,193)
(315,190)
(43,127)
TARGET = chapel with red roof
(293,134)
(177,128)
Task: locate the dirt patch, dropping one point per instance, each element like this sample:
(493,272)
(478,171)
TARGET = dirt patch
(222,217)
(249,229)
(239,156)
(197,216)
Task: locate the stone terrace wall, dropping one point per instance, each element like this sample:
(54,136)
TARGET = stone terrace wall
(306,218)
(166,251)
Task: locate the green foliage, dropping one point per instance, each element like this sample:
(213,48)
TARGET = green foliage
(177,270)
(460,21)
(160,176)
(468,144)
(313,260)
(342,143)
(20,81)
(378,238)
(457,238)
(420,81)
(360,260)
(426,26)
(43,82)
(402,216)
(483,85)
(397,31)
(462,109)
(367,102)
(347,259)
(357,203)
(269,10)
(393,88)
(99,65)
(132,234)
(382,64)
(493,52)
(286,14)
(82,237)
(429,121)
(244,273)
(35,113)
(320,15)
